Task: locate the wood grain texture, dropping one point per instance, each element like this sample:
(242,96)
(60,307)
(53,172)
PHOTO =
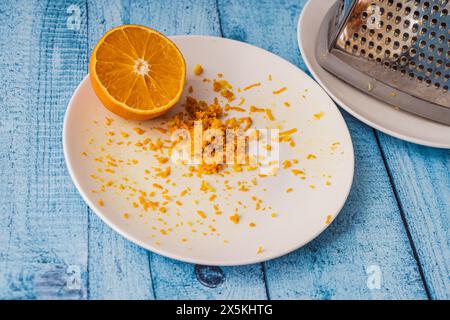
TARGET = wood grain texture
(43,235)
(369,231)
(118,269)
(172,279)
(421,177)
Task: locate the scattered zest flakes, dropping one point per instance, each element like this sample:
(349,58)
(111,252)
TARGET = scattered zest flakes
(328,219)
(201,214)
(252,86)
(162,130)
(328,183)
(162,209)
(238,109)
(166,201)
(335,145)
(311,156)
(255,109)
(162,160)
(165,173)
(198,70)
(288,132)
(260,250)
(220,85)
(287,164)
(205,186)
(139,131)
(237,168)
(280,90)
(234,218)
(297,172)
(319,115)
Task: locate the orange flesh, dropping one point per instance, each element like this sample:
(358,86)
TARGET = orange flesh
(137,72)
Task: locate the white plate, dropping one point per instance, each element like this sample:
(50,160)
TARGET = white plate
(369,110)
(301,214)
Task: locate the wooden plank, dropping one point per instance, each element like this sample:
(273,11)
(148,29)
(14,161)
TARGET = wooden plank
(172,279)
(118,269)
(368,238)
(421,177)
(43,238)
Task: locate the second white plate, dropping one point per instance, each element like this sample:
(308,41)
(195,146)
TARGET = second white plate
(373,112)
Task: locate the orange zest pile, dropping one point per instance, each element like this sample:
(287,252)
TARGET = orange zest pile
(211,117)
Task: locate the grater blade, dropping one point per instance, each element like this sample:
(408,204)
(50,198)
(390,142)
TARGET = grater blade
(395,50)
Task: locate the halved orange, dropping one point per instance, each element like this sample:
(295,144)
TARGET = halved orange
(137,72)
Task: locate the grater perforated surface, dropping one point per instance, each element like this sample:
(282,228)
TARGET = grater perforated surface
(404,44)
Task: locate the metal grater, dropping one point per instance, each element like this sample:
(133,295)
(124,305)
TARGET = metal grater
(395,50)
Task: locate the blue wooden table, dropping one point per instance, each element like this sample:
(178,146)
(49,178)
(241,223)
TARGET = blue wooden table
(390,241)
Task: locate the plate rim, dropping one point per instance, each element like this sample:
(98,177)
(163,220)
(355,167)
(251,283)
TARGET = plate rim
(148,246)
(343,105)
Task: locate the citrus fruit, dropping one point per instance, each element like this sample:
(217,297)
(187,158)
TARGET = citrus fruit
(136,72)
